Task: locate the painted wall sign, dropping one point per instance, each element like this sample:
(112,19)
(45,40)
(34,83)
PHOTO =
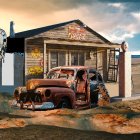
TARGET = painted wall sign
(35,53)
(76,33)
(35,70)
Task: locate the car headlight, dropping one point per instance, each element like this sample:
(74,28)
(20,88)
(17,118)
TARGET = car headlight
(47,93)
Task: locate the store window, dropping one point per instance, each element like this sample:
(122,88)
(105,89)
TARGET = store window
(74,58)
(77,58)
(81,59)
(62,58)
(57,59)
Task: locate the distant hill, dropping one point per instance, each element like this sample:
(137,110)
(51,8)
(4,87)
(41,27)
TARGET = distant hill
(135,56)
(132,56)
(135,59)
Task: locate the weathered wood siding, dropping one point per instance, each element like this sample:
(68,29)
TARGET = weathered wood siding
(68,38)
(77,33)
(34,59)
(91,58)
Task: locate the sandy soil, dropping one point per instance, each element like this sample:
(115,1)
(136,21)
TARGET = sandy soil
(117,121)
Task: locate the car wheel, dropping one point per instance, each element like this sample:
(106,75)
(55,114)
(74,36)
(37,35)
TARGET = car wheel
(65,103)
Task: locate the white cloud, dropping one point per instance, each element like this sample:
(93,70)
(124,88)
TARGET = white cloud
(116,25)
(116,5)
(136,15)
(135,52)
(117,35)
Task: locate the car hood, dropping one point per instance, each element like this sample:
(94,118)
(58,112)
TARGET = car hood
(34,83)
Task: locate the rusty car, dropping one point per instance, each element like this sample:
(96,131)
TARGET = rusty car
(77,87)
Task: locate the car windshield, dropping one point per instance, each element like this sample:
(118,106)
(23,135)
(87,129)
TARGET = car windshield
(61,74)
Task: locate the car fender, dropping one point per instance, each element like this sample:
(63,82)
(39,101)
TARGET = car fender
(58,93)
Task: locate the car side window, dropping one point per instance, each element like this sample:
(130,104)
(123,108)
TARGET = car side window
(100,78)
(92,75)
(53,74)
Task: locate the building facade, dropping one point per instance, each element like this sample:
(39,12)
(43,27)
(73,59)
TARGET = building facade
(69,43)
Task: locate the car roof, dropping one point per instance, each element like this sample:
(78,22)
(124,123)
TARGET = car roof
(74,67)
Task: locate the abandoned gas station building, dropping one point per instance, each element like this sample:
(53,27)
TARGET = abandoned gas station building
(38,50)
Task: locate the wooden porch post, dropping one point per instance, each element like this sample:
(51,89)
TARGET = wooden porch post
(105,65)
(44,61)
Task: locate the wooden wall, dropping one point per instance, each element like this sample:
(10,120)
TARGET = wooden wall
(71,32)
(33,59)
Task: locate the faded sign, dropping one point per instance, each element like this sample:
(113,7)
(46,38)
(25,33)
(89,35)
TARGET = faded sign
(35,53)
(35,70)
(76,33)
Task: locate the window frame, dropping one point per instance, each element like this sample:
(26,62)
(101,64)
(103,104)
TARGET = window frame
(58,56)
(77,52)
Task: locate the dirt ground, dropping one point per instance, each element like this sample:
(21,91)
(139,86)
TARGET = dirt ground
(43,132)
(116,121)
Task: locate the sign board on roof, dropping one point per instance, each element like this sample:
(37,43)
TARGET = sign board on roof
(76,33)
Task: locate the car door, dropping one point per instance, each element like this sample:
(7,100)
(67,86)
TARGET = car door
(100,79)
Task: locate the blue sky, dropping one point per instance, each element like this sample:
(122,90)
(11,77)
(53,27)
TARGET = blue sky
(134,42)
(116,20)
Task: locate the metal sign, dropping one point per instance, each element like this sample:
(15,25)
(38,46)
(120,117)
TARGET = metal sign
(3,43)
(76,33)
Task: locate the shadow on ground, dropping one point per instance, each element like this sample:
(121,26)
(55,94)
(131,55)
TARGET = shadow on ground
(40,132)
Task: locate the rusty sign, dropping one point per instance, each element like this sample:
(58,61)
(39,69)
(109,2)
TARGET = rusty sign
(36,53)
(76,33)
(35,70)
